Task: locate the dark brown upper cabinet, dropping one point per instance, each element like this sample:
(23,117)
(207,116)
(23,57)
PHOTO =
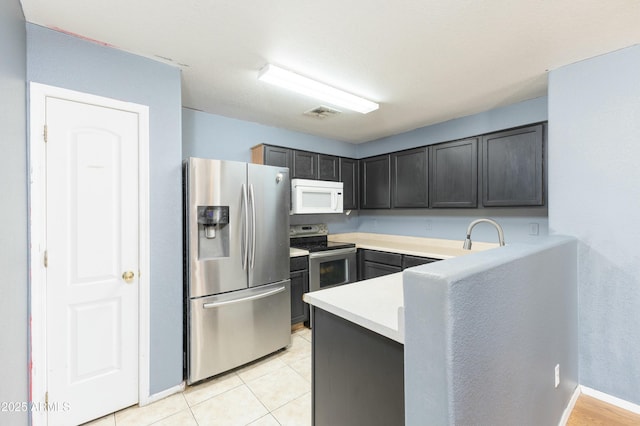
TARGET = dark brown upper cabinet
(272,156)
(512,167)
(328,167)
(375,182)
(410,178)
(453,178)
(305,165)
(349,174)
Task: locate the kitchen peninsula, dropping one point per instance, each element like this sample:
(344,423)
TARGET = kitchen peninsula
(358,336)
(394,349)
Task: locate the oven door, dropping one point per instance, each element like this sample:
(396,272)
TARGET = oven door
(331,268)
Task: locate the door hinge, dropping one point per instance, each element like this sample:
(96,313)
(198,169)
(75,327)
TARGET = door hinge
(46,400)
(46,258)
(45,133)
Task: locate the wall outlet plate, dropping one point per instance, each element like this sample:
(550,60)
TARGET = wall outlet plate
(534,229)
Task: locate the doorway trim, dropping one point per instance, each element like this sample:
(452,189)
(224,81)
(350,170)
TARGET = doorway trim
(38,93)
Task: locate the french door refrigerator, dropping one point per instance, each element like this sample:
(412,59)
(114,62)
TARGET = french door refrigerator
(237,288)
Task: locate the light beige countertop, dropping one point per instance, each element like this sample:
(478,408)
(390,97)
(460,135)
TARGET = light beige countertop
(295,252)
(378,304)
(415,246)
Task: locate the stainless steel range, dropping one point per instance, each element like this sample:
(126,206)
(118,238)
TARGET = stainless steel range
(330,263)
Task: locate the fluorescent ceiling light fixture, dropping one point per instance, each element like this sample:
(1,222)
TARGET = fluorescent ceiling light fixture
(305,86)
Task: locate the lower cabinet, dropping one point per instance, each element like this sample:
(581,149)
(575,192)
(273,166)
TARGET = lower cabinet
(358,375)
(378,263)
(299,273)
(373,263)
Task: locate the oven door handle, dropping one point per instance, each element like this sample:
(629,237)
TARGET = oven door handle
(332,253)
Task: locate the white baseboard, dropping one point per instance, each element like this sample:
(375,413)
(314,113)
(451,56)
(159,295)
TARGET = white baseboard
(161,395)
(626,405)
(572,403)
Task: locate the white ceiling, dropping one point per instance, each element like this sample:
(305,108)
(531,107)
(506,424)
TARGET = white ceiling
(424,61)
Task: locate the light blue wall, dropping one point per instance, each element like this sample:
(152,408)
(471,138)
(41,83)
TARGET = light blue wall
(61,60)
(484,332)
(594,180)
(14,384)
(213,136)
(522,113)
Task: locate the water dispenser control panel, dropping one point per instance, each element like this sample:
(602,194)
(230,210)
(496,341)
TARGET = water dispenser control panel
(213,215)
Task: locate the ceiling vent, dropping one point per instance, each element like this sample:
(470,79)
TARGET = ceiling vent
(322,112)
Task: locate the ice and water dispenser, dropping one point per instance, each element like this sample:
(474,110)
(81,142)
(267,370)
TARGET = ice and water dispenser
(213,231)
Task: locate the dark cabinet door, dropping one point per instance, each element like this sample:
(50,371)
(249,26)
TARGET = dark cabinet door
(299,286)
(512,167)
(375,186)
(305,165)
(409,261)
(409,178)
(349,177)
(276,156)
(375,263)
(328,167)
(453,178)
(374,270)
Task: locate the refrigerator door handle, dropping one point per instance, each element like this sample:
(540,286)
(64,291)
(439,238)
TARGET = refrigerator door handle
(245,227)
(244,299)
(252,200)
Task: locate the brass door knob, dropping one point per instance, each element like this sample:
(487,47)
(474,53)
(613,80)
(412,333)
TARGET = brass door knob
(128,277)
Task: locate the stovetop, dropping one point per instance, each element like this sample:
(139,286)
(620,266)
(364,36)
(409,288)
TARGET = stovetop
(313,238)
(315,244)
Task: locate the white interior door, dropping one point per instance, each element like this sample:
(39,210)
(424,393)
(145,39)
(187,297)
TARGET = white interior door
(92,260)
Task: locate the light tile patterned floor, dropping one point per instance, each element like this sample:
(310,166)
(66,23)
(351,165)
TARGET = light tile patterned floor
(270,392)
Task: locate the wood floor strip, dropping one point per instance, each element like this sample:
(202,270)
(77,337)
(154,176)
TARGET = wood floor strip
(593,412)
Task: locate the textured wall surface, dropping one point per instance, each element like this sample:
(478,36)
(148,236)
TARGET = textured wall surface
(214,136)
(594,130)
(519,114)
(61,60)
(13,216)
(484,333)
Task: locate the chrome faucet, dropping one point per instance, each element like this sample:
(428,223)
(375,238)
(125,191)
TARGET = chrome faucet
(467,242)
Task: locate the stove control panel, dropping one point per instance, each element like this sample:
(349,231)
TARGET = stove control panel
(318,229)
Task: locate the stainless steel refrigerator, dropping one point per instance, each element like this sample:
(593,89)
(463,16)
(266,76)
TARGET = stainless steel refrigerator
(237,284)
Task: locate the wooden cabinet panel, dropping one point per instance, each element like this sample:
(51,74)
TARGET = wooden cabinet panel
(374,263)
(391,259)
(453,177)
(410,178)
(305,165)
(374,270)
(512,167)
(276,156)
(375,182)
(328,167)
(349,176)
(410,261)
(299,285)
(358,375)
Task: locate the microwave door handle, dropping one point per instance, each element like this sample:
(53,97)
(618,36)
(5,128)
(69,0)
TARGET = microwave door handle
(334,200)
(245,227)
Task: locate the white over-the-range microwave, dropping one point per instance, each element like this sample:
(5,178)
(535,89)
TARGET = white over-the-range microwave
(315,196)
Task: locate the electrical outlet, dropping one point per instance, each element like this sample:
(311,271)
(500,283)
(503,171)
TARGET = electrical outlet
(557,371)
(534,229)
